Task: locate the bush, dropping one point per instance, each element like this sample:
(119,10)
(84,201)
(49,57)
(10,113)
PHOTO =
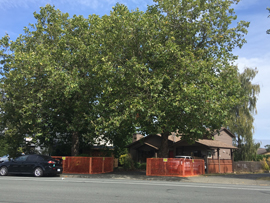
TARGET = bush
(139,165)
(143,166)
(265,166)
(126,161)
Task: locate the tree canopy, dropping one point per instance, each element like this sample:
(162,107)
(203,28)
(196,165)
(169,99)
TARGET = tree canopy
(164,70)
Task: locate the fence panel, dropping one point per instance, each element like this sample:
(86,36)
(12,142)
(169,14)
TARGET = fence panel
(247,166)
(225,166)
(86,165)
(97,165)
(108,164)
(174,167)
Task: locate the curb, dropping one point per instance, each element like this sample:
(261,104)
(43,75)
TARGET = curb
(196,179)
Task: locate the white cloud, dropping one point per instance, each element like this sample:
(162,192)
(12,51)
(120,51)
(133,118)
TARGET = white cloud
(262,78)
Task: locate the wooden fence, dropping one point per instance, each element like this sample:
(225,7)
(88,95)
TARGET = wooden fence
(220,166)
(86,165)
(174,167)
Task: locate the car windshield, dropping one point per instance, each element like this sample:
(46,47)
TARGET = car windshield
(21,158)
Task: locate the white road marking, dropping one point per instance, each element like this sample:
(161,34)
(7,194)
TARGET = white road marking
(135,182)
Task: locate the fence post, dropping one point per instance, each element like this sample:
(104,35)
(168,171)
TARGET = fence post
(165,167)
(184,168)
(103,160)
(112,164)
(232,160)
(148,166)
(68,160)
(63,165)
(203,167)
(191,166)
(90,165)
(218,161)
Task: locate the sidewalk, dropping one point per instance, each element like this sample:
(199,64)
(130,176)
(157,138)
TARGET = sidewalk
(242,179)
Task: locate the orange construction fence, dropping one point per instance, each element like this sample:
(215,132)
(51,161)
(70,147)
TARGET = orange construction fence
(220,166)
(174,167)
(86,165)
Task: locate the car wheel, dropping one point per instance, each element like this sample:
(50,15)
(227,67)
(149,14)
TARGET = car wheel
(38,172)
(3,171)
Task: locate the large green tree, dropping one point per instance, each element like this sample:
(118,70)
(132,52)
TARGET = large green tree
(170,68)
(48,82)
(163,70)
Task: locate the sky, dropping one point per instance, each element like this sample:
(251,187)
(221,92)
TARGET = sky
(16,14)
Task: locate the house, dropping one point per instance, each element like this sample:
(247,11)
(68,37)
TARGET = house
(219,147)
(262,151)
(144,147)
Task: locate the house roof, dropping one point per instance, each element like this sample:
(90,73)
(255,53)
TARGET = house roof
(225,129)
(261,151)
(143,140)
(147,145)
(173,139)
(215,144)
(207,143)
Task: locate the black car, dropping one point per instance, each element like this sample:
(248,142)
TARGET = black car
(35,164)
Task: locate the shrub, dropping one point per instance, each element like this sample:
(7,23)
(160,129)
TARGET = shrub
(126,161)
(265,166)
(139,165)
(143,166)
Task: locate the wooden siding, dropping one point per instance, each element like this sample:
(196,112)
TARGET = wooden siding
(225,138)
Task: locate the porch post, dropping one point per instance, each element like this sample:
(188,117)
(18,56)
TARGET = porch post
(218,161)
(206,163)
(232,159)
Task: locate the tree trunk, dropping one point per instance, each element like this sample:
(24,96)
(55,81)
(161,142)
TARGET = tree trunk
(75,144)
(239,144)
(164,150)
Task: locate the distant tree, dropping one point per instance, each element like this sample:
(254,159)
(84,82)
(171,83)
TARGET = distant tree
(241,116)
(267,147)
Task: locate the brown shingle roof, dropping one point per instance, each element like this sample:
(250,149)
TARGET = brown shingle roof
(215,144)
(261,151)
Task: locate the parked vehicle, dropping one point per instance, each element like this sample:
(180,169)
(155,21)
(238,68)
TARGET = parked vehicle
(188,157)
(4,158)
(183,157)
(38,165)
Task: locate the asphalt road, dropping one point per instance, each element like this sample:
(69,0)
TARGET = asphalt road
(17,189)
